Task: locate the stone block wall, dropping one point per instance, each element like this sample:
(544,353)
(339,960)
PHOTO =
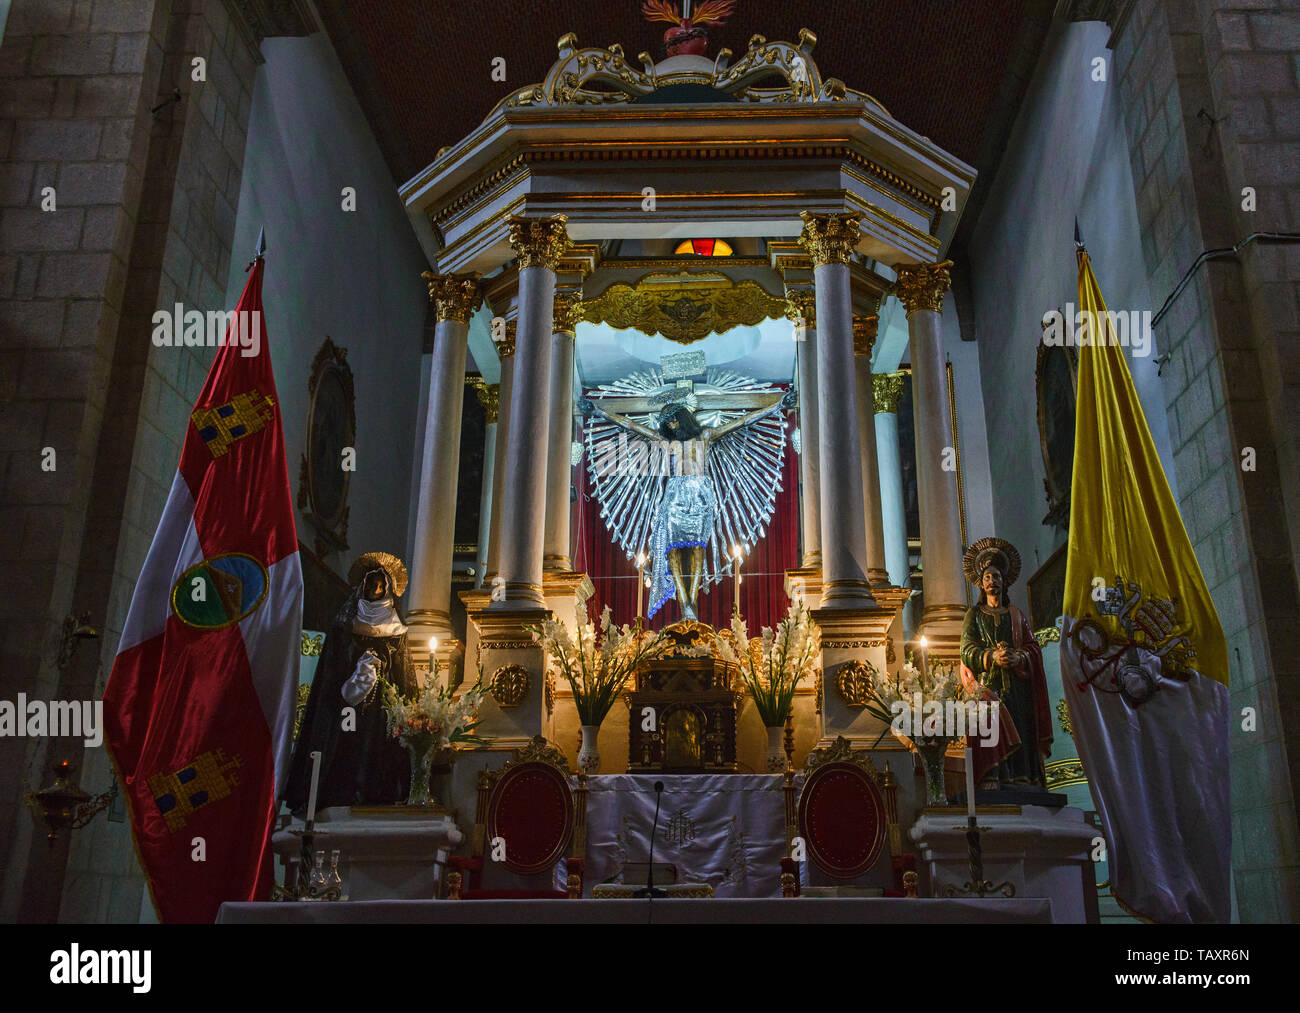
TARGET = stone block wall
(1209,94)
(145,191)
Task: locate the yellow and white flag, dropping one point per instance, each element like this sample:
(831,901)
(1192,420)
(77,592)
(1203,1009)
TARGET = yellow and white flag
(1144,663)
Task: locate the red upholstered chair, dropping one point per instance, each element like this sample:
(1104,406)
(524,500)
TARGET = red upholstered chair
(530,805)
(846,814)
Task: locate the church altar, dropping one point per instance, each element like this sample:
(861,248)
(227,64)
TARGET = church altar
(726,830)
(1036,850)
(388,851)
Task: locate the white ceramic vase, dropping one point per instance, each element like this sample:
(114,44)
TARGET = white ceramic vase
(588,755)
(776,749)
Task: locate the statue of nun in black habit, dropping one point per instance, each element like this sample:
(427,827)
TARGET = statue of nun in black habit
(360,762)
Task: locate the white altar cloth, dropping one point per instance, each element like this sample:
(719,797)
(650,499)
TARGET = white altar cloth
(727,830)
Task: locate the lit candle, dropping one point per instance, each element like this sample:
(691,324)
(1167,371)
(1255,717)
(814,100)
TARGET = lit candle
(970,782)
(315,780)
(735,579)
(640,585)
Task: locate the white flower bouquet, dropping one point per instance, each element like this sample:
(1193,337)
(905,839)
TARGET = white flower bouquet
(774,663)
(597,667)
(435,718)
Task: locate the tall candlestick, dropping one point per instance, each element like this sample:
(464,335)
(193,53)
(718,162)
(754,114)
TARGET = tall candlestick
(970,782)
(735,579)
(923,669)
(315,780)
(640,585)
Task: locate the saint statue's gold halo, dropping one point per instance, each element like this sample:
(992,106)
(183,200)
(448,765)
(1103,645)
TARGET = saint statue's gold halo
(385,561)
(995,552)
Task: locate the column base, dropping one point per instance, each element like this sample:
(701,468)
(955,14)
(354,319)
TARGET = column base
(812,560)
(521,594)
(941,627)
(566,594)
(556,564)
(847,593)
(421,626)
(878,578)
(806,582)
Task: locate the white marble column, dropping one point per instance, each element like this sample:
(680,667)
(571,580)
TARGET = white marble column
(802,308)
(428,601)
(921,288)
(888,388)
(559,470)
(830,240)
(506,349)
(539,244)
(864,338)
(489,396)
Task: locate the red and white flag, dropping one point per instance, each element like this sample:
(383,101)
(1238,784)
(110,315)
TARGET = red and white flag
(199,706)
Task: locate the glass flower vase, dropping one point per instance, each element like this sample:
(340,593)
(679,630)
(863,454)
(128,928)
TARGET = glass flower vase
(932,752)
(421,749)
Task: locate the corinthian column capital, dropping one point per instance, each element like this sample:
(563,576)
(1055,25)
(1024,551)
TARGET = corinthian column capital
(888,389)
(829,239)
(489,396)
(539,242)
(864,334)
(455,296)
(801,304)
(923,286)
(506,346)
(566,314)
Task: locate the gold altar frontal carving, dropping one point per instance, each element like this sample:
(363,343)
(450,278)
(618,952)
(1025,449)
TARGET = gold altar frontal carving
(693,706)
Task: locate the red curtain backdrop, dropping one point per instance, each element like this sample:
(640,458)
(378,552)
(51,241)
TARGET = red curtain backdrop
(763,600)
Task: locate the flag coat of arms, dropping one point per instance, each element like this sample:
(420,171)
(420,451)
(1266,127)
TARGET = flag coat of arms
(199,705)
(1144,663)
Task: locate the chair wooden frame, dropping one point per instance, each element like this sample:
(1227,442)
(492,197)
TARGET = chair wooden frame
(842,752)
(537,752)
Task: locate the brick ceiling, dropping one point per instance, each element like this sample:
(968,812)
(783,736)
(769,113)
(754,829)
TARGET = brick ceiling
(953,71)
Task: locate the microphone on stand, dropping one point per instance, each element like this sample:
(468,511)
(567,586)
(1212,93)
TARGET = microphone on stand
(649,889)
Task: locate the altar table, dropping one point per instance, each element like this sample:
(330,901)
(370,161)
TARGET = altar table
(726,830)
(767,911)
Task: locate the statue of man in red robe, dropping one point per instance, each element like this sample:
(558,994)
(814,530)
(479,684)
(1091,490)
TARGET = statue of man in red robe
(1001,660)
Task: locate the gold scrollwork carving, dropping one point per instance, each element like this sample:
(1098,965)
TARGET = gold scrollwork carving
(455,296)
(923,286)
(801,305)
(830,239)
(1063,713)
(539,242)
(849,645)
(685,307)
(311,645)
(510,684)
(853,681)
(1064,773)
